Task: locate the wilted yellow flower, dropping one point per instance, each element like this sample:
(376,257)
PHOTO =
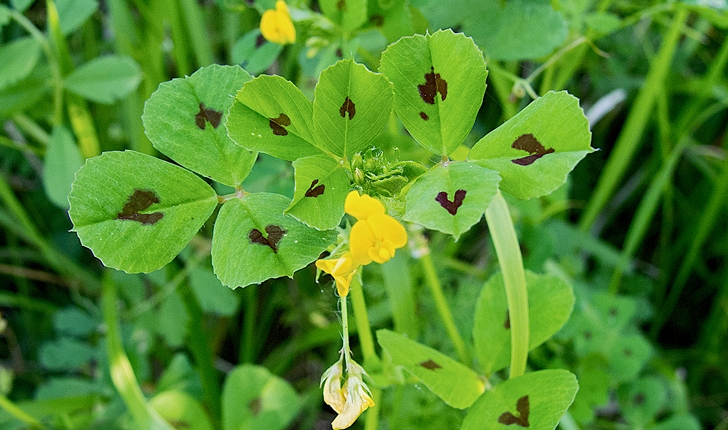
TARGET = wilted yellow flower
(358,398)
(276,25)
(342,269)
(334,395)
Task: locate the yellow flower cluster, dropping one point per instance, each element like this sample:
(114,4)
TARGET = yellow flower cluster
(374,237)
(350,400)
(276,25)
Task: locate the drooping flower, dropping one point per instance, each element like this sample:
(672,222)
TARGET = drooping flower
(342,269)
(334,394)
(276,25)
(358,397)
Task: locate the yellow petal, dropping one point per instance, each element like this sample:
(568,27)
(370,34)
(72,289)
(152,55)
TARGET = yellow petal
(276,25)
(334,394)
(362,207)
(357,401)
(342,269)
(387,228)
(361,240)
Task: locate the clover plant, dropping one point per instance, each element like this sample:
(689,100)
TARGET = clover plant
(137,212)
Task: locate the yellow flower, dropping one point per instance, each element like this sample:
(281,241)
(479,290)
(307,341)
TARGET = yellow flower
(334,395)
(358,398)
(276,25)
(342,269)
(376,235)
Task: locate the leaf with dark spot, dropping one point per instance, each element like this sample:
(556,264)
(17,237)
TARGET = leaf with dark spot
(315,190)
(430,365)
(451,206)
(140,200)
(341,5)
(524,409)
(433,84)
(507,323)
(206,115)
(527,142)
(274,235)
(628,352)
(255,406)
(259,41)
(639,399)
(347,107)
(278,124)
(376,20)
(587,335)
(424,116)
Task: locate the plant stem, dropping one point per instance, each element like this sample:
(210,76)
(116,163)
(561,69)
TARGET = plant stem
(443,309)
(506,245)
(639,116)
(345,329)
(363,328)
(120,368)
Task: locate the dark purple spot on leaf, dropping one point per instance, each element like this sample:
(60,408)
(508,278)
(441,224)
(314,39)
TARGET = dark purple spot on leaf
(433,84)
(255,406)
(376,20)
(341,5)
(627,352)
(639,399)
(430,365)
(613,311)
(424,116)
(587,335)
(274,234)
(139,201)
(259,41)
(315,190)
(347,107)
(339,53)
(507,324)
(527,142)
(278,124)
(451,206)
(523,408)
(206,115)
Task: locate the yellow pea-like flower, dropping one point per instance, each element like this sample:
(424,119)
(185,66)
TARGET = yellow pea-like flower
(276,25)
(342,269)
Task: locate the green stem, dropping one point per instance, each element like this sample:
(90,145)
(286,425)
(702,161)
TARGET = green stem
(371,421)
(363,328)
(443,309)
(120,368)
(506,245)
(201,350)
(639,116)
(247,341)
(32,128)
(19,414)
(345,329)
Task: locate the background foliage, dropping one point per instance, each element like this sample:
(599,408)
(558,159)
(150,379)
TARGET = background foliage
(637,229)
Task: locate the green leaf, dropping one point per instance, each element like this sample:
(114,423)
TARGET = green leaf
(349,14)
(679,422)
(181,410)
(393,19)
(105,79)
(62,160)
(436,97)
(456,384)
(21,5)
(627,356)
(185,120)
(172,320)
(321,188)
(18,59)
(212,295)
(271,115)
(254,53)
(550,301)
(111,212)
(73,13)
(641,400)
(254,241)
(351,106)
(26,93)
(517,29)
(75,322)
(535,150)
(253,398)
(451,198)
(4,16)
(65,354)
(536,400)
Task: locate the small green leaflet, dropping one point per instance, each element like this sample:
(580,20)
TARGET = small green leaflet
(439,83)
(214,297)
(185,120)
(253,398)
(349,14)
(321,188)
(136,212)
(392,18)
(456,384)
(642,399)
(73,13)
(535,150)
(536,400)
(451,198)
(550,301)
(62,160)
(254,53)
(271,115)
(351,107)
(254,241)
(181,409)
(105,79)
(18,59)
(517,29)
